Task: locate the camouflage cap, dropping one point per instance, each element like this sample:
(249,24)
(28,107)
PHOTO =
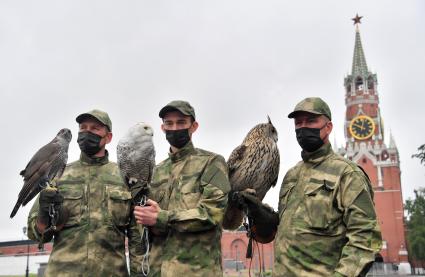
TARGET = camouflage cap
(178,105)
(99,115)
(314,105)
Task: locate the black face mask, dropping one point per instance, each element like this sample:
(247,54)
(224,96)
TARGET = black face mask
(177,138)
(309,138)
(89,143)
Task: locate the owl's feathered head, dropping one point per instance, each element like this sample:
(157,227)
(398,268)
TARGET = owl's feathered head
(139,132)
(263,130)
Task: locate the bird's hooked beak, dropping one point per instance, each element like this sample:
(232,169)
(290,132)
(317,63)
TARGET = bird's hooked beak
(148,130)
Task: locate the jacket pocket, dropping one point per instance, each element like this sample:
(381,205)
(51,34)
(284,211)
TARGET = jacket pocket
(318,201)
(158,195)
(119,206)
(190,191)
(191,199)
(159,192)
(72,203)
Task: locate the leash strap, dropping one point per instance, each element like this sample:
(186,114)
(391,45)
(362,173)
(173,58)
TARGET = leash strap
(145,240)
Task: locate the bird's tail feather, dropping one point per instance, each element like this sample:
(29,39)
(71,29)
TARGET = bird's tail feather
(15,209)
(233,218)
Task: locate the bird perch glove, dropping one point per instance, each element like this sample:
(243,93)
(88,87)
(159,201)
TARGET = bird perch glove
(234,199)
(51,198)
(138,190)
(264,219)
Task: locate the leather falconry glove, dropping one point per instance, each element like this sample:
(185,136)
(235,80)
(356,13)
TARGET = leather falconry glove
(51,208)
(138,190)
(264,219)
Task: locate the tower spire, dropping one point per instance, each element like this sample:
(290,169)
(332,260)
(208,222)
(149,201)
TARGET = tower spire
(392,141)
(359,60)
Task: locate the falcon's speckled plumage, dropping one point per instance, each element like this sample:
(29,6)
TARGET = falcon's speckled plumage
(136,154)
(49,162)
(253,165)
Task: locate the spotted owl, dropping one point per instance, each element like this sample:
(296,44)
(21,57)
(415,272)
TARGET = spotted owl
(253,166)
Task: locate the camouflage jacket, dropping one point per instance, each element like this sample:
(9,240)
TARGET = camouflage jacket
(92,243)
(191,188)
(327,223)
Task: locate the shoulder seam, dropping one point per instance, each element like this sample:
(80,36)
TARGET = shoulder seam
(350,164)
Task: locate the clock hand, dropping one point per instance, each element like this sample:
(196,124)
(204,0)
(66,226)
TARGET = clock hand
(357,125)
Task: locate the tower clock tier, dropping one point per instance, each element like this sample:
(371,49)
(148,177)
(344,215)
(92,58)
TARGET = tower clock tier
(362,127)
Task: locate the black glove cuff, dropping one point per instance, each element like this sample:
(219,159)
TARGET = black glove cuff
(50,202)
(139,190)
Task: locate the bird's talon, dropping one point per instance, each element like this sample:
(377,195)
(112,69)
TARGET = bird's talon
(53,184)
(251,191)
(42,185)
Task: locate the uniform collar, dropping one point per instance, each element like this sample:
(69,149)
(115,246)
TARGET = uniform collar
(182,152)
(94,160)
(319,155)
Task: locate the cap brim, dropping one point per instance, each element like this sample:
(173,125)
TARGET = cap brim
(84,116)
(167,109)
(293,114)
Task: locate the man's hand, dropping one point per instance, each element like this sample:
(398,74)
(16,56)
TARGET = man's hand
(250,201)
(265,219)
(147,215)
(238,198)
(138,189)
(50,198)
(234,200)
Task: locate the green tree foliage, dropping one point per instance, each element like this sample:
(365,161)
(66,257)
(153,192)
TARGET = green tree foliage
(416,225)
(421,154)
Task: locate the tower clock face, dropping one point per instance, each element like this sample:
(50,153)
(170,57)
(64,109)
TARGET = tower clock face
(362,127)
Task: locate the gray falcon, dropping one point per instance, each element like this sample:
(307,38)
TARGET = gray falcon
(253,167)
(49,162)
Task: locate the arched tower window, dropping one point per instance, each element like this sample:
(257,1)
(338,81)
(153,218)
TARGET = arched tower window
(359,83)
(348,89)
(370,83)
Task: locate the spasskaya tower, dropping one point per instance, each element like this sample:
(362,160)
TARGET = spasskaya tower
(365,145)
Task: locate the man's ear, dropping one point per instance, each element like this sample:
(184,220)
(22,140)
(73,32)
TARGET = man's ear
(330,126)
(194,127)
(328,129)
(162,127)
(108,137)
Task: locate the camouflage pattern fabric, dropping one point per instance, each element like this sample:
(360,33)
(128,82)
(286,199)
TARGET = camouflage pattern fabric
(92,243)
(178,105)
(314,105)
(191,188)
(328,224)
(101,116)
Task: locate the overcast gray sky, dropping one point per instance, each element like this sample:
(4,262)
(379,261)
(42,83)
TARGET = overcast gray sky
(235,61)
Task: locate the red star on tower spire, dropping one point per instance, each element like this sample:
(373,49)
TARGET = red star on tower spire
(357,19)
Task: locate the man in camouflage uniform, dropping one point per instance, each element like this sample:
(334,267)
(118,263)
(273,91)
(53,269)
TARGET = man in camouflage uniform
(328,224)
(97,207)
(187,200)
